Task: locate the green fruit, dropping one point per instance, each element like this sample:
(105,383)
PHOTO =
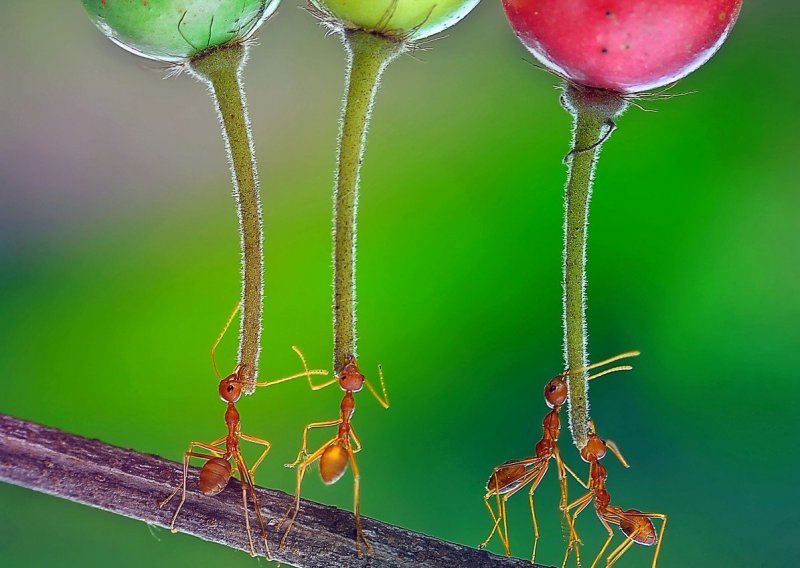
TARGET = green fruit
(410,19)
(176,30)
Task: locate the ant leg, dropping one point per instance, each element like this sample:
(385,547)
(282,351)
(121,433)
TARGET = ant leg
(357,504)
(660,534)
(383,401)
(535,475)
(230,317)
(605,546)
(534,485)
(295,507)
(216,455)
(186,456)
(307,373)
(584,484)
(502,503)
(303,453)
(210,447)
(267,447)
(242,475)
(619,551)
(356,441)
(251,485)
(563,486)
(574,540)
(495,520)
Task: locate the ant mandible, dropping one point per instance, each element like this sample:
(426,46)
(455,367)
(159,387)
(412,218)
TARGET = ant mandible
(637,526)
(335,454)
(512,476)
(217,471)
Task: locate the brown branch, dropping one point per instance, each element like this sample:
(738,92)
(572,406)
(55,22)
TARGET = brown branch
(131,484)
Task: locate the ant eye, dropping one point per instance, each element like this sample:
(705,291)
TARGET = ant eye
(230,388)
(552,387)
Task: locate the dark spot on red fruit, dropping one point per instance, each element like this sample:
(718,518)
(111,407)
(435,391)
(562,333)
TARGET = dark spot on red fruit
(604,50)
(609,13)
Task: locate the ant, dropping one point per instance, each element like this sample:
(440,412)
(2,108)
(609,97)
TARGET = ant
(510,477)
(637,526)
(218,469)
(336,453)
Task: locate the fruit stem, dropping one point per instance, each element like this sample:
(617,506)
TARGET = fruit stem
(221,70)
(368,55)
(593,111)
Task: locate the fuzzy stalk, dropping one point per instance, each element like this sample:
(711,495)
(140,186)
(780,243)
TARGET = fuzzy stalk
(593,112)
(221,70)
(368,55)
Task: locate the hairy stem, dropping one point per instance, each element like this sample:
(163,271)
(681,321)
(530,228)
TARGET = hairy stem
(593,112)
(368,56)
(221,70)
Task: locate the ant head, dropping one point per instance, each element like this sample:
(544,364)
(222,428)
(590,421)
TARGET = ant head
(555,392)
(230,388)
(350,378)
(594,450)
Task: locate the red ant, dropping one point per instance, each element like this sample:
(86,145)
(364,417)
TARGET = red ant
(637,526)
(217,471)
(511,476)
(337,452)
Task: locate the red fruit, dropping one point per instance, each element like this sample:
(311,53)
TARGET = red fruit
(622,45)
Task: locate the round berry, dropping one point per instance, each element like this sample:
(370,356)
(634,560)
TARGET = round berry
(176,30)
(409,19)
(627,46)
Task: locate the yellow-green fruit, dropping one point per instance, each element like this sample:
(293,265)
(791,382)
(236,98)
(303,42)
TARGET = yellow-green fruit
(177,30)
(410,19)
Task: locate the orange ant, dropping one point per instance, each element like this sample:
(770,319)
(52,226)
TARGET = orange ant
(337,452)
(637,526)
(512,476)
(217,471)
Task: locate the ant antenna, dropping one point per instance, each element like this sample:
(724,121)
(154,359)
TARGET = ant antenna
(609,371)
(221,335)
(606,362)
(615,450)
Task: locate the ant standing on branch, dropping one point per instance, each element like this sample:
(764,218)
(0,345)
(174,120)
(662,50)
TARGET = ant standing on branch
(637,526)
(224,458)
(512,476)
(336,453)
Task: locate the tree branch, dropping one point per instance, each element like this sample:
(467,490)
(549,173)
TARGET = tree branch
(131,484)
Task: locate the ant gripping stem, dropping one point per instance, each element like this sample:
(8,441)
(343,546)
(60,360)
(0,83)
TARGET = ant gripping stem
(223,457)
(512,476)
(335,454)
(637,526)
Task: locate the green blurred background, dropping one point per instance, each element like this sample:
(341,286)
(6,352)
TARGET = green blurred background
(119,264)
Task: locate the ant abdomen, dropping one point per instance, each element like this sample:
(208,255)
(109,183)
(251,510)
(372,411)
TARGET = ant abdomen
(214,476)
(506,477)
(638,528)
(333,464)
